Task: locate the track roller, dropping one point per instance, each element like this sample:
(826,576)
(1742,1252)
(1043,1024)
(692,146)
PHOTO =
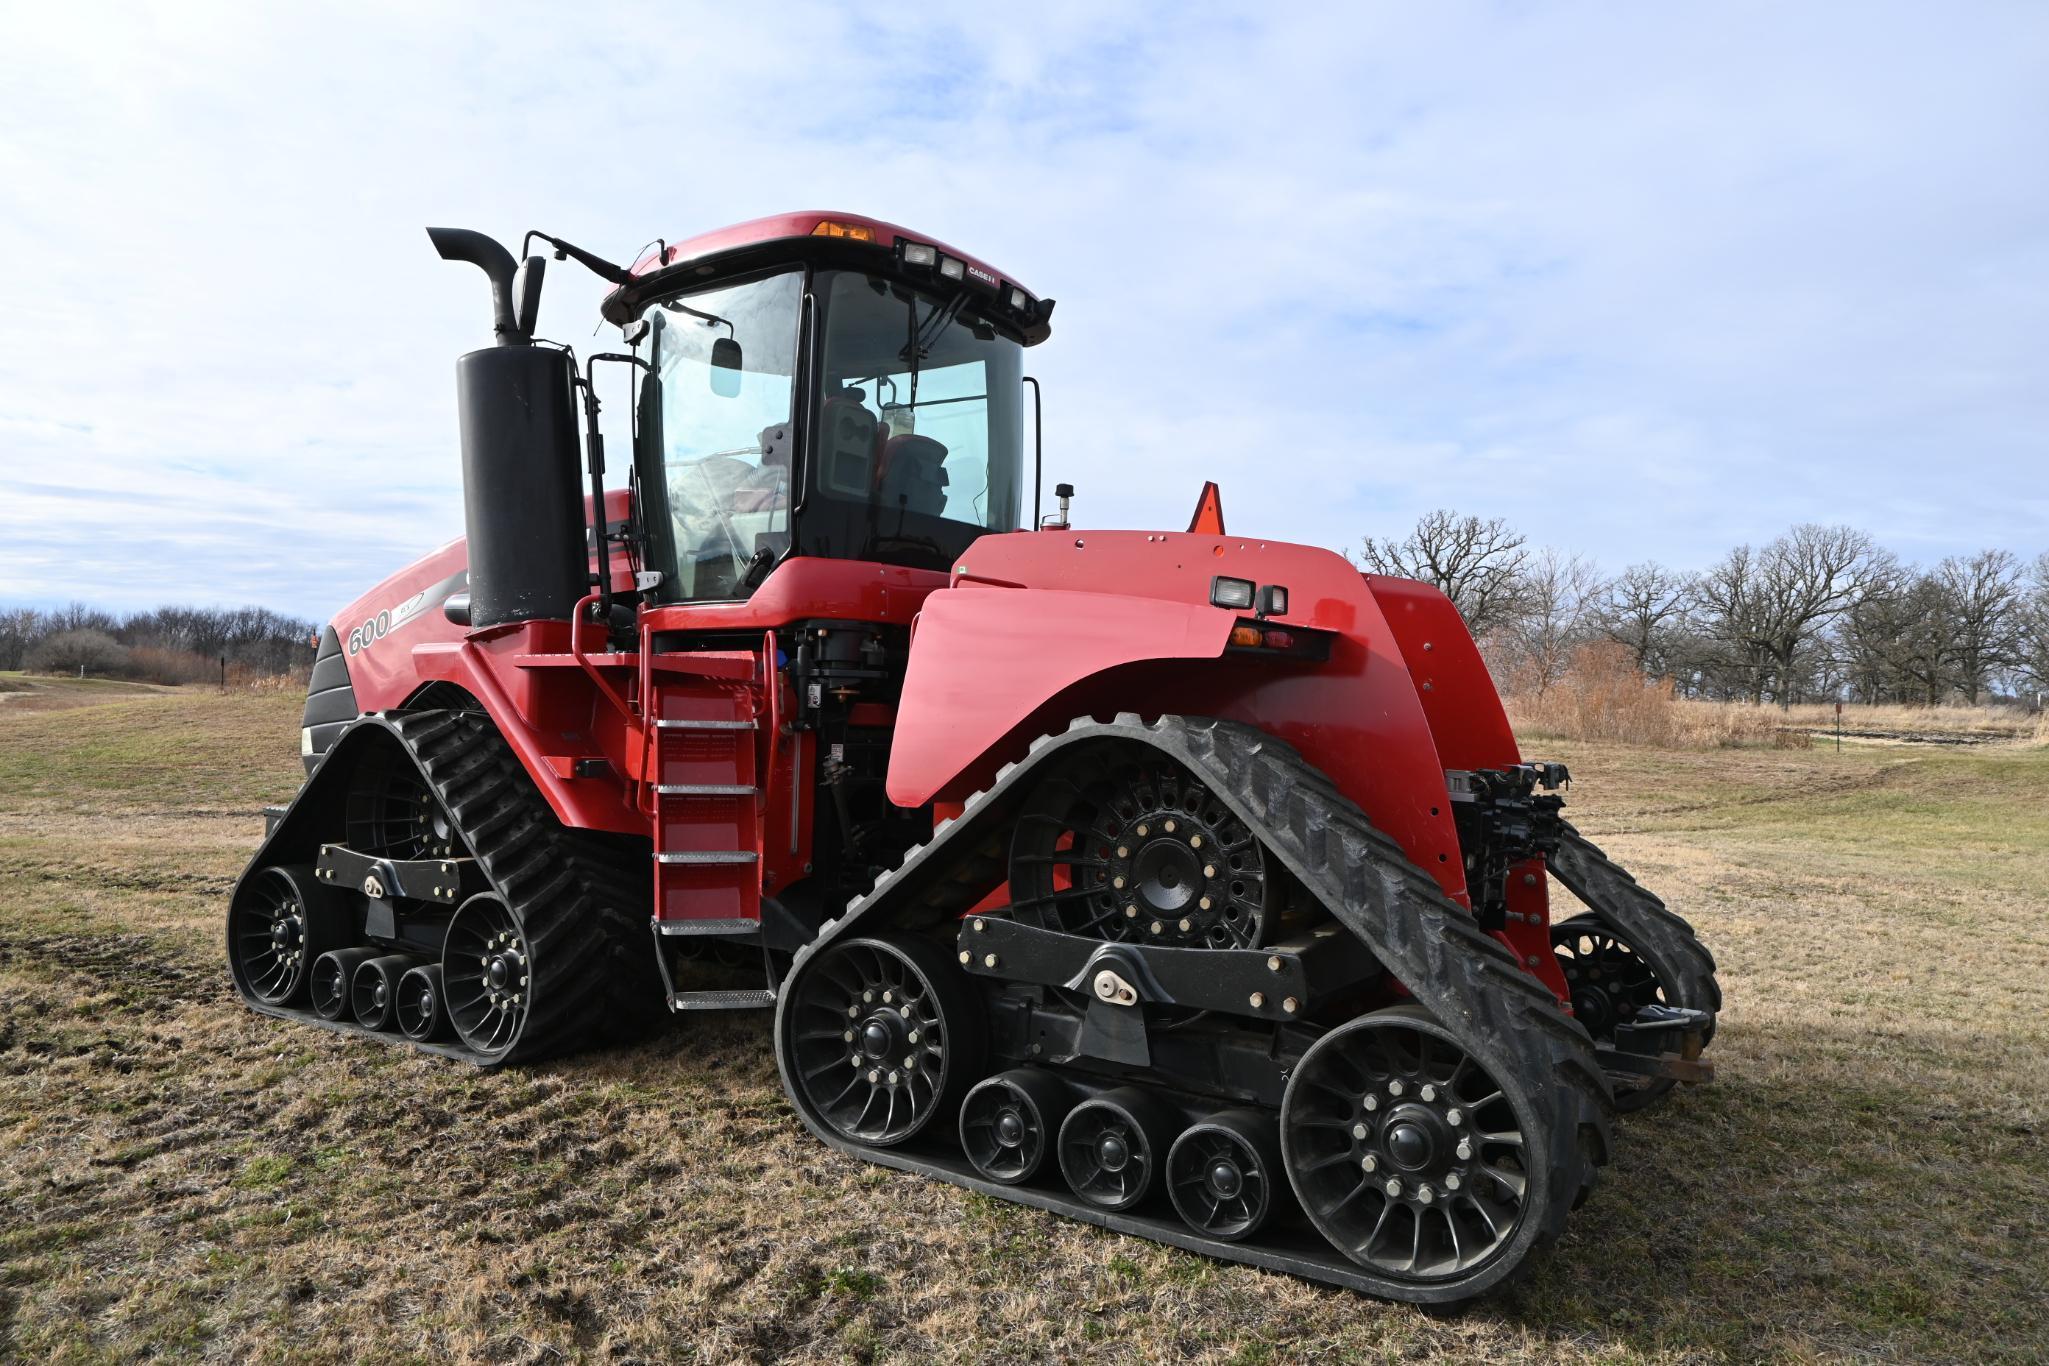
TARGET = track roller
(1009,1122)
(1112,1147)
(1224,1174)
(373,988)
(334,975)
(279,922)
(422,1012)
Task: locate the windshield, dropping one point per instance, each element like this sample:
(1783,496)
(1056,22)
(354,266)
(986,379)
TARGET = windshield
(715,424)
(920,426)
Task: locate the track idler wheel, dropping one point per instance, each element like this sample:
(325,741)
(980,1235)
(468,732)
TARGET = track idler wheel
(422,1012)
(373,990)
(281,921)
(884,1036)
(1224,1174)
(334,975)
(1611,980)
(1009,1122)
(487,974)
(1113,1146)
(1414,1158)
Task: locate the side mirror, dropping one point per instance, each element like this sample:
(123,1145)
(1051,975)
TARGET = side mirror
(725,368)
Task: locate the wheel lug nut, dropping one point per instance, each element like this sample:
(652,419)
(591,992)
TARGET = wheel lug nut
(913,1037)
(1195,841)
(1454,1117)
(853,1012)
(1393,1187)
(1209,870)
(1426,1195)
(874,1075)
(1131,912)
(1451,1181)
(892,1078)
(1465,1150)
(1369,1162)
(888,996)
(1118,883)
(1372,1102)
(1394,1088)
(965,959)
(1429,1093)
(1167,826)
(1123,851)
(1203,904)
(909,1063)
(1358,1130)
(847,1037)
(868,996)
(1142,831)
(1157,927)
(1184,924)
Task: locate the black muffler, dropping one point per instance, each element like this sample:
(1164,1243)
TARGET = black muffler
(523,511)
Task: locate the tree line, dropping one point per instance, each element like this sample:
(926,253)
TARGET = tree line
(1821,613)
(166,645)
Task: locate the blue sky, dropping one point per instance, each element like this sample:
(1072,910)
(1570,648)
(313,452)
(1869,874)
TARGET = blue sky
(1645,280)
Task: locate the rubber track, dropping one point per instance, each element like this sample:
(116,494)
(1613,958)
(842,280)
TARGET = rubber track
(1461,975)
(1676,953)
(580,897)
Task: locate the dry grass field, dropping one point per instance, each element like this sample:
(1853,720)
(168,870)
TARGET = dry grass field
(180,1178)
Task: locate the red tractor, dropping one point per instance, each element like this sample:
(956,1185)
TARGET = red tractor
(1185,883)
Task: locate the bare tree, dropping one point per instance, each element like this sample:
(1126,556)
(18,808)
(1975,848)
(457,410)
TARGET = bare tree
(1479,565)
(1764,606)
(1641,610)
(1553,618)
(1983,597)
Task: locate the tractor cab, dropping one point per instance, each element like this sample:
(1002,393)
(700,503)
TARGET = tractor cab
(821,387)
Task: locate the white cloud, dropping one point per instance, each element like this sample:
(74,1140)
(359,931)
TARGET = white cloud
(1646,281)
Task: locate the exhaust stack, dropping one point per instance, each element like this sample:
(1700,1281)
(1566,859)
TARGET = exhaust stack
(523,508)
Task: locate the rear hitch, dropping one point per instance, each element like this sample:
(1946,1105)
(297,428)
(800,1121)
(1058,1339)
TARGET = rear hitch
(1663,1043)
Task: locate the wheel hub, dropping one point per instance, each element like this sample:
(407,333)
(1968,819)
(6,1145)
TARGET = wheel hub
(1169,875)
(1010,1129)
(499,973)
(1112,1152)
(1225,1180)
(882,1037)
(1410,1145)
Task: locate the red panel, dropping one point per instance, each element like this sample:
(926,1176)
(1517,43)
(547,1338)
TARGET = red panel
(798,224)
(804,587)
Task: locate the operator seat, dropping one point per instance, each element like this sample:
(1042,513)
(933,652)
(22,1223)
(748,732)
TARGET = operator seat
(912,474)
(847,442)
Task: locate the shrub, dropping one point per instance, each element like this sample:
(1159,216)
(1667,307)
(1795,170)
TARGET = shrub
(77,652)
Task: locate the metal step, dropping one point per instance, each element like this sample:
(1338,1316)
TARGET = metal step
(702,927)
(704,725)
(707,856)
(707,789)
(757,998)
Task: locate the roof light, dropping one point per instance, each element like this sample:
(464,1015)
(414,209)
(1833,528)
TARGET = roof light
(1235,594)
(1273,600)
(952,267)
(1018,299)
(920,254)
(828,227)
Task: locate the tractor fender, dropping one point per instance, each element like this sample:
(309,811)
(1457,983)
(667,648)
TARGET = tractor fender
(984,659)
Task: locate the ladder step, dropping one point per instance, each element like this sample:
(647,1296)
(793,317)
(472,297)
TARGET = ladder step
(704,725)
(708,856)
(707,789)
(719,927)
(758,998)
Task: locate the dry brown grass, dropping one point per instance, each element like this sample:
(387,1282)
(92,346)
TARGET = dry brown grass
(1603,698)
(179,1177)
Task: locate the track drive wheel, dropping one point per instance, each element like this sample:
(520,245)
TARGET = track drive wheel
(1224,1174)
(883,1037)
(1611,980)
(487,974)
(280,921)
(1419,1160)
(1009,1122)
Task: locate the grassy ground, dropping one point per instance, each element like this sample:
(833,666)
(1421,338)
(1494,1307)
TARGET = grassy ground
(179,1176)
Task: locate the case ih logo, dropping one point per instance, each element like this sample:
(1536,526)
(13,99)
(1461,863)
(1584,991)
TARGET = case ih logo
(983,276)
(374,629)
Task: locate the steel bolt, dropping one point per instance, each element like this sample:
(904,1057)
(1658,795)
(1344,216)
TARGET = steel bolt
(868,996)
(1167,826)
(904,1011)
(1209,870)
(910,1062)
(980,924)
(1291,1005)
(888,996)
(1184,924)
(1529,879)
(1429,1092)
(1118,883)
(892,1078)
(874,1075)
(1369,1162)
(1273,965)
(1465,1150)
(989,961)
(1123,851)
(912,1037)
(1358,1130)
(1195,841)
(1426,1195)
(1157,927)
(965,959)
(1394,1088)
(1141,831)
(1203,904)
(1452,1181)
(1372,1103)
(847,1037)
(1259,1000)
(855,1060)
(1131,912)
(1393,1187)
(1454,1117)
